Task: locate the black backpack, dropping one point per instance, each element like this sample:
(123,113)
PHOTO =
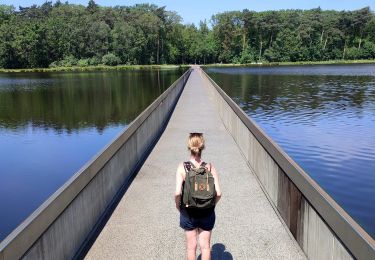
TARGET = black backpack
(198,189)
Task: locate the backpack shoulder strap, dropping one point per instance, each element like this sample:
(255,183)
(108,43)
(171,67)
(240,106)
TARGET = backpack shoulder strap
(204,164)
(187,166)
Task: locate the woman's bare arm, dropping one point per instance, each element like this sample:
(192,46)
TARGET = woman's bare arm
(179,181)
(217,183)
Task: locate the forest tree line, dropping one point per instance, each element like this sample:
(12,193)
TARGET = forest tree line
(63,34)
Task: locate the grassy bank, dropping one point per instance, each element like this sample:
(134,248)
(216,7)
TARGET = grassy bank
(137,67)
(337,62)
(95,68)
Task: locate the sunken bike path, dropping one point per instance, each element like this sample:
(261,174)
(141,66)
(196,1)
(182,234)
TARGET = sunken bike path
(145,223)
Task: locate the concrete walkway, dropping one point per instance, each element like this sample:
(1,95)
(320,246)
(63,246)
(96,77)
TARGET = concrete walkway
(145,224)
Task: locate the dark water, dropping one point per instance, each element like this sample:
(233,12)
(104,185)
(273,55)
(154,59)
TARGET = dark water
(52,123)
(323,117)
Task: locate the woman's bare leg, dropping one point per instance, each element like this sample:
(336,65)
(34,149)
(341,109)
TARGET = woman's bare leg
(191,243)
(205,243)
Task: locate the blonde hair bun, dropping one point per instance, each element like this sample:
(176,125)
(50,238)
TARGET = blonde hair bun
(195,143)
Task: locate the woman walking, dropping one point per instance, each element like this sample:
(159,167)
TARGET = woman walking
(197,217)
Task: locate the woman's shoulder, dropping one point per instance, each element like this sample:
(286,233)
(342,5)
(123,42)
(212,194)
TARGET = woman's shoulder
(209,165)
(181,167)
(212,168)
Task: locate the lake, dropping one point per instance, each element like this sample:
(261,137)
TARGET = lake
(323,116)
(51,124)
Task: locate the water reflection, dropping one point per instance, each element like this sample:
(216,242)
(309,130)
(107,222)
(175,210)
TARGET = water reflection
(326,123)
(295,93)
(72,101)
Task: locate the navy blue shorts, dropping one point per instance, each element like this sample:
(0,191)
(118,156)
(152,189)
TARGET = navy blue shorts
(190,221)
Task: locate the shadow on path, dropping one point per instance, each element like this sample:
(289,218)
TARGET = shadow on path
(218,252)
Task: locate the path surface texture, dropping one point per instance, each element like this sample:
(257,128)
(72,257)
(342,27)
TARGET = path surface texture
(145,224)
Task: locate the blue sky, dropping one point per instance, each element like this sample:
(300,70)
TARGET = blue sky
(193,11)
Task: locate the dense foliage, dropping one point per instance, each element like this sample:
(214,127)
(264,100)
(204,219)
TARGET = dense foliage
(62,34)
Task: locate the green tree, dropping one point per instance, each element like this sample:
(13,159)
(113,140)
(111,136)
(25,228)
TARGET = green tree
(92,7)
(63,34)
(288,47)
(111,59)
(227,29)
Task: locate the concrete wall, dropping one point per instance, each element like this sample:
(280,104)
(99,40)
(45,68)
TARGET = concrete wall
(59,228)
(320,226)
